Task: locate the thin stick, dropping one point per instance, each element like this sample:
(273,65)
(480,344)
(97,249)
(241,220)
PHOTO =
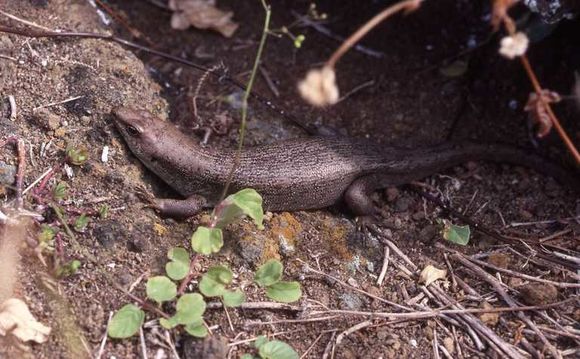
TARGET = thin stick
(352,329)
(311,346)
(105,336)
(385,266)
(245,101)
(26,22)
(13,107)
(563,135)
(497,286)
(408,5)
(142,341)
(74,98)
(344,284)
(524,276)
(21,147)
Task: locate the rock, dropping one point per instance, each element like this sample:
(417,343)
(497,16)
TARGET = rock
(392,194)
(351,301)
(44,118)
(211,347)
(108,233)
(7,174)
(538,293)
(403,204)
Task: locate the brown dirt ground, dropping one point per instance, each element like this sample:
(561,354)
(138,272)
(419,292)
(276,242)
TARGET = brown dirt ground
(410,103)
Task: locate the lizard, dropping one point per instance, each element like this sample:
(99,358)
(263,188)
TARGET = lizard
(298,174)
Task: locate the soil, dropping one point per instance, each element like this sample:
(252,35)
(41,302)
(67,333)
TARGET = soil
(412,100)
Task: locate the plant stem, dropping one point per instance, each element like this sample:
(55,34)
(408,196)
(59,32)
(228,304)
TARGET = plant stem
(247,94)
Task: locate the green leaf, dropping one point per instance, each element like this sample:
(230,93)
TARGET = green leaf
(213,283)
(207,240)
(247,356)
(59,191)
(190,307)
(169,323)
(178,267)
(104,211)
(276,349)
(456,234)
(269,273)
(126,322)
(285,292)
(245,202)
(81,223)
(197,329)
(234,299)
(76,156)
(161,289)
(455,69)
(261,340)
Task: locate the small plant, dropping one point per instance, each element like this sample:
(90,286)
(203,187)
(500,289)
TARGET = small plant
(269,275)
(214,282)
(59,191)
(81,223)
(76,156)
(247,202)
(272,349)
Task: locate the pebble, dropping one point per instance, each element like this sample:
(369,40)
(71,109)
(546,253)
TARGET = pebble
(538,293)
(7,174)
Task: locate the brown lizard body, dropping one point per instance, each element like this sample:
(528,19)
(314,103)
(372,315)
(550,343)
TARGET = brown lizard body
(306,173)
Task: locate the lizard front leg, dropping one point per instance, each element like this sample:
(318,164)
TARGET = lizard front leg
(181,208)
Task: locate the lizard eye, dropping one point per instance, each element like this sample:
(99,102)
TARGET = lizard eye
(132,130)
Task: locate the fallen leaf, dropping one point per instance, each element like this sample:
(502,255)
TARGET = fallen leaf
(16,319)
(537,108)
(489,318)
(201,14)
(430,274)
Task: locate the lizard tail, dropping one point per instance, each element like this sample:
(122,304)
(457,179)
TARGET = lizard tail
(431,160)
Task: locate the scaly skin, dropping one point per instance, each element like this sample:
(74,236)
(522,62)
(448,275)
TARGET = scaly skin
(306,173)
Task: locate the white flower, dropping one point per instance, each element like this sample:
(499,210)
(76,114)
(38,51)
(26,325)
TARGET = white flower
(514,45)
(319,87)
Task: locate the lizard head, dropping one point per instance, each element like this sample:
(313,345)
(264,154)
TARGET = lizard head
(139,128)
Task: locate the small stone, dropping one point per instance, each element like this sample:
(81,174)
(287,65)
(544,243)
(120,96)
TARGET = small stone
(392,194)
(211,347)
(448,343)
(351,301)
(7,174)
(403,204)
(85,120)
(60,132)
(44,118)
(108,233)
(526,215)
(538,293)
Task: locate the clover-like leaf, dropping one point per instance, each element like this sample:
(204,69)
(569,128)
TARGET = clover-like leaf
(285,292)
(197,329)
(126,322)
(245,202)
(190,307)
(178,267)
(169,323)
(276,349)
(260,340)
(213,283)
(233,299)
(161,289)
(269,273)
(207,240)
